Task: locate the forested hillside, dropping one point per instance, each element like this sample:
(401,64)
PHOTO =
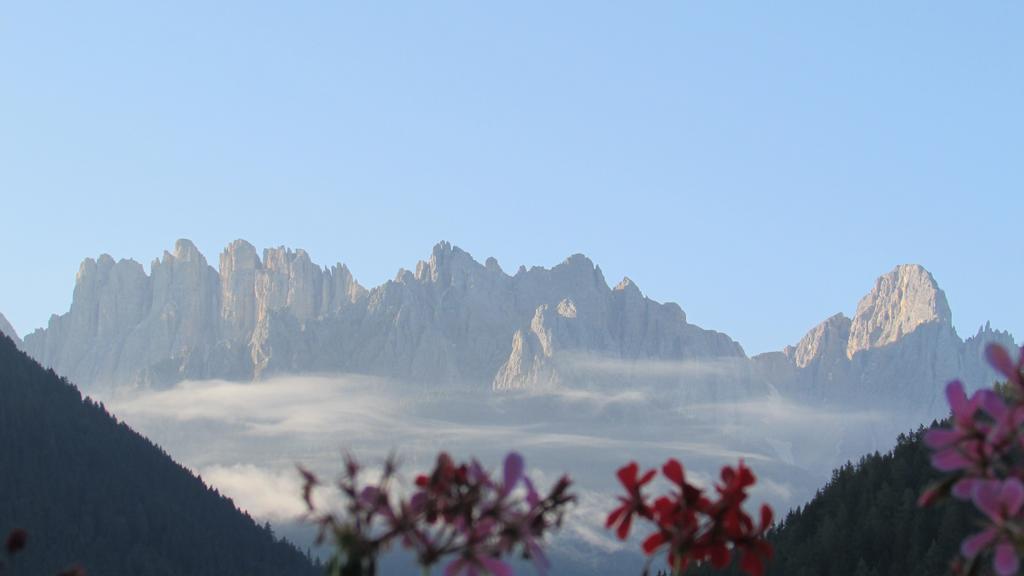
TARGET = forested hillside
(91,491)
(866,522)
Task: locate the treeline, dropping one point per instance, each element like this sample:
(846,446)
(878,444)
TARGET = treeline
(90,491)
(866,522)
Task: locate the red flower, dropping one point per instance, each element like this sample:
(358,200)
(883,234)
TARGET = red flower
(690,527)
(633,502)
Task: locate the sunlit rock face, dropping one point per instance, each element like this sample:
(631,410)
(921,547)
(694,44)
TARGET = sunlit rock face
(454,321)
(899,349)
(901,301)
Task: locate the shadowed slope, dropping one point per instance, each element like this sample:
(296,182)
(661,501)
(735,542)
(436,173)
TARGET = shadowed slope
(91,491)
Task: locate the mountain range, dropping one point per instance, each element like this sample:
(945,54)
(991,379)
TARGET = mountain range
(455,321)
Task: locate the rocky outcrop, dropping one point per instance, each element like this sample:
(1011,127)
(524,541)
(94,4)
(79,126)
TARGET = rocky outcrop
(829,339)
(529,364)
(239,265)
(7,330)
(622,326)
(901,301)
(899,350)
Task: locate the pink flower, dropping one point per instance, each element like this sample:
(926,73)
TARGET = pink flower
(477,567)
(1000,359)
(513,472)
(982,450)
(963,446)
(1001,502)
(476,556)
(457,510)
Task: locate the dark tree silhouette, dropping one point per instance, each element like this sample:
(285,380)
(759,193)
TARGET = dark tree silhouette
(866,522)
(90,491)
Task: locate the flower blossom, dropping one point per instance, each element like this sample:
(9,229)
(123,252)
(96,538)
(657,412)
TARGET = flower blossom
(457,510)
(633,503)
(981,451)
(690,526)
(1001,502)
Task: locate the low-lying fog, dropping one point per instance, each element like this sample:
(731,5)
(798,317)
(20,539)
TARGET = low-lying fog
(246,439)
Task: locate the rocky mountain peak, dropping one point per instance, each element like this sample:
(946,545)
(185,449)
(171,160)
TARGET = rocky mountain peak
(492,265)
(85,270)
(578,262)
(899,303)
(239,255)
(446,264)
(830,338)
(578,270)
(186,251)
(626,285)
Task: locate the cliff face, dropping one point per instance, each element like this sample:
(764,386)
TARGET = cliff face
(899,349)
(453,320)
(456,321)
(901,301)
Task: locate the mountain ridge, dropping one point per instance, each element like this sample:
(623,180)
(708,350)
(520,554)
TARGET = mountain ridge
(452,319)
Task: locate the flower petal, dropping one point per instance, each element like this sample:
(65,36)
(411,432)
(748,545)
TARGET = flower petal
(613,518)
(992,403)
(540,560)
(495,567)
(949,460)
(623,530)
(963,488)
(652,542)
(673,470)
(973,545)
(958,400)
(454,567)
(1006,561)
(513,471)
(1012,496)
(941,437)
(627,475)
(1000,359)
(531,493)
(766,516)
(986,497)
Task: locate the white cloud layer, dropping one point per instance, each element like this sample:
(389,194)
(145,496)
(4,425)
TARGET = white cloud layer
(246,438)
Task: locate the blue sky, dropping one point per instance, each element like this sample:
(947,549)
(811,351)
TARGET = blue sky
(759,163)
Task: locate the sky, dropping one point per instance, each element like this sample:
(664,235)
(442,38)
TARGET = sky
(758,163)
